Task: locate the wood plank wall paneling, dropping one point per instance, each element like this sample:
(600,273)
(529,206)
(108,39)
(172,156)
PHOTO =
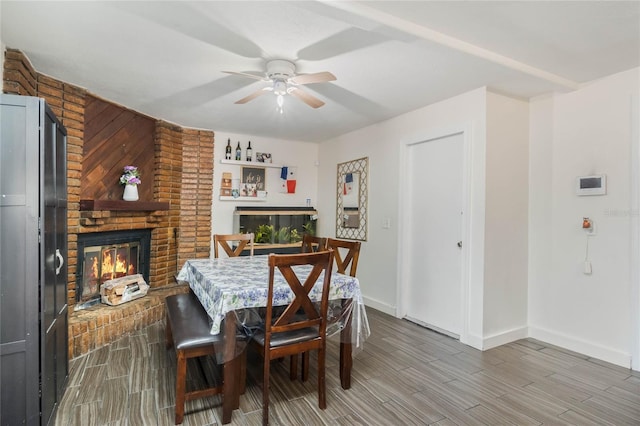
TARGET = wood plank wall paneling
(115,137)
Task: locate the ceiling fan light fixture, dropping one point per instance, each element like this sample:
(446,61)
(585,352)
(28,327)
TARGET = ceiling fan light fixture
(280,87)
(280,102)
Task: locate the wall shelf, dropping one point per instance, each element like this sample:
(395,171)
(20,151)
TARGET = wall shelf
(251,163)
(123,205)
(229,198)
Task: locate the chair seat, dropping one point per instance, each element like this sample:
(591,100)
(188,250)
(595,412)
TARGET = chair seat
(288,337)
(189,322)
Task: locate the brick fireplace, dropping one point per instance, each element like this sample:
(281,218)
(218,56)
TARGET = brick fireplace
(174,206)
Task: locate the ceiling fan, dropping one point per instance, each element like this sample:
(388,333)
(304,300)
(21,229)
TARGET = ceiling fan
(282,79)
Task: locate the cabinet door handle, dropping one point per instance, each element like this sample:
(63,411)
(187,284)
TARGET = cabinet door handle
(60,259)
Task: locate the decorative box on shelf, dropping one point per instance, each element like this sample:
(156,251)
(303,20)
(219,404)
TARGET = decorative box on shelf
(225,184)
(226,180)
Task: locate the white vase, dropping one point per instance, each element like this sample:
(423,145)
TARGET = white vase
(130,193)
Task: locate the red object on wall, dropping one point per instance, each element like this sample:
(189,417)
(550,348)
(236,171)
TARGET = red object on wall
(291,186)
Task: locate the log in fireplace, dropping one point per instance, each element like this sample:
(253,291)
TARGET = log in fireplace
(103,256)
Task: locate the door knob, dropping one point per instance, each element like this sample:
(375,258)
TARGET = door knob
(459,244)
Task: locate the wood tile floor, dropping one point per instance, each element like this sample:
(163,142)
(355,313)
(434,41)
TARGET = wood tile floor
(406,375)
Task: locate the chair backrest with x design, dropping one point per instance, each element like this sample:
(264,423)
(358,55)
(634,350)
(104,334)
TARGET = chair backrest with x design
(311,244)
(346,254)
(301,313)
(223,241)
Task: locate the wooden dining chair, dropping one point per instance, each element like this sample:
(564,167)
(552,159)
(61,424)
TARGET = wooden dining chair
(224,240)
(301,326)
(312,244)
(346,254)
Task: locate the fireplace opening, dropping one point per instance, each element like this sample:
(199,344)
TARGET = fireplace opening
(103,256)
(103,263)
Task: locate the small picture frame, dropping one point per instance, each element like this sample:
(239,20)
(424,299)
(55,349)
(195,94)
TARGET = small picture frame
(253,179)
(248,190)
(263,157)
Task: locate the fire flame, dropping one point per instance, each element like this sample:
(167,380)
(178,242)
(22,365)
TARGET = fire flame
(94,267)
(114,269)
(107,265)
(121,266)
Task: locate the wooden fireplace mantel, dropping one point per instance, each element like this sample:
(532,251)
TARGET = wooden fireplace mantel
(123,205)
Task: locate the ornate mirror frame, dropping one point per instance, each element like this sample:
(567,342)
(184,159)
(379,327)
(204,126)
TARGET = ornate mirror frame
(361,168)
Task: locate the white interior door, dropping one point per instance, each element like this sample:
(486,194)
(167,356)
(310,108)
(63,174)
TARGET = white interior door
(435,202)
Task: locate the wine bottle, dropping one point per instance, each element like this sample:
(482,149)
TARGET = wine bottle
(249,151)
(227,154)
(238,152)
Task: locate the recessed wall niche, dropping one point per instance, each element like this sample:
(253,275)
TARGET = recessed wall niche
(115,137)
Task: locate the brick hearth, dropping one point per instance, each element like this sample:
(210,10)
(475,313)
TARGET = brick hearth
(100,325)
(182,177)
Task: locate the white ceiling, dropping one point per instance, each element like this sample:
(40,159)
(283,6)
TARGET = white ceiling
(166,58)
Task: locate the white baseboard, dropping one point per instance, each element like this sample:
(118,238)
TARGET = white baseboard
(383,307)
(504,337)
(586,348)
(472,340)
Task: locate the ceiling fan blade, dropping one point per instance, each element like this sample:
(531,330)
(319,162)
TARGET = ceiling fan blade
(305,97)
(245,74)
(253,95)
(319,77)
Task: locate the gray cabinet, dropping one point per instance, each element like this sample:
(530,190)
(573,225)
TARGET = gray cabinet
(33,261)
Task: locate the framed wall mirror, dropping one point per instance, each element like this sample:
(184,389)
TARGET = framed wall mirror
(351,214)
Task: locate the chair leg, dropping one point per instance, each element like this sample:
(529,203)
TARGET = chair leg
(293,367)
(181,383)
(243,372)
(322,394)
(265,390)
(305,366)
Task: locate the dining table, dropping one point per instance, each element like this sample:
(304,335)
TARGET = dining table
(234,291)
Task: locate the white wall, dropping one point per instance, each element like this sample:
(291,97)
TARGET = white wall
(635,230)
(377,264)
(383,143)
(287,153)
(506,226)
(513,181)
(581,133)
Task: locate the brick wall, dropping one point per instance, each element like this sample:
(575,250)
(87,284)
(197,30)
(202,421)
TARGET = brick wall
(67,103)
(182,232)
(19,77)
(196,195)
